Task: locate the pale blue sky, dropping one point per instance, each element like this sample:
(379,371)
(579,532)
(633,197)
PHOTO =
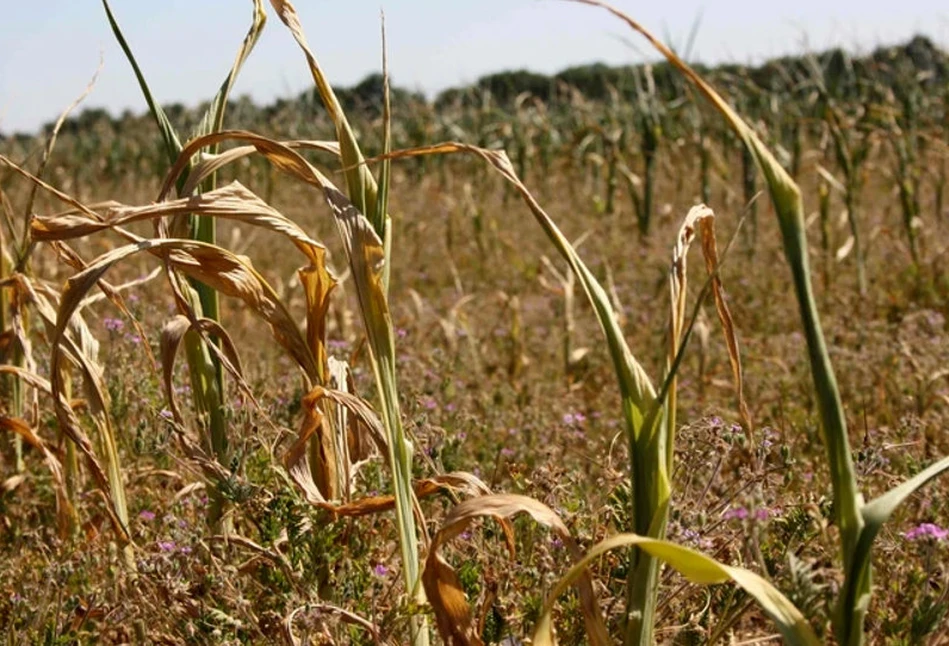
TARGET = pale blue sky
(49,49)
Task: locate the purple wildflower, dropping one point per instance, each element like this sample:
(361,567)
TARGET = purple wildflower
(927,530)
(146,515)
(380,570)
(739,513)
(166,546)
(695,538)
(113,324)
(691,535)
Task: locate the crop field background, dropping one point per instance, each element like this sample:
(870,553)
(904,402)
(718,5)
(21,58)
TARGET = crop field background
(337,370)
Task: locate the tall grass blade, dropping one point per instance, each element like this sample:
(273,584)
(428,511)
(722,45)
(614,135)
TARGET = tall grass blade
(385,168)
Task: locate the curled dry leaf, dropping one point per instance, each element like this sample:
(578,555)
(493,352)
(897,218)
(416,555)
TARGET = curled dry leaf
(214,266)
(360,437)
(443,587)
(315,452)
(173,332)
(210,164)
(65,514)
(234,202)
(458,481)
(280,154)
(359,181)
(700,220)
(313,482)
(74,431)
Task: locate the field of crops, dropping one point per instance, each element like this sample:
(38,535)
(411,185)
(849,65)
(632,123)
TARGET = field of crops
(366,368)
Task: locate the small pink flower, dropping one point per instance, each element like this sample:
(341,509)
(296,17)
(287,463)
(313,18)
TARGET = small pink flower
(736,513)
(927,530)
(113,324)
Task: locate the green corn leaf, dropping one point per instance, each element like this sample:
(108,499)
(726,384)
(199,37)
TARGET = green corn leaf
(213,118)
(696,567)
(853,600)
(168,134)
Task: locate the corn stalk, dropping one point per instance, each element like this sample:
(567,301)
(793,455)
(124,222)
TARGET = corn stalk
(207,377)
(859,522)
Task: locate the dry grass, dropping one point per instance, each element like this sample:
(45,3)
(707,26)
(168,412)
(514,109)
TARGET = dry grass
(310,551)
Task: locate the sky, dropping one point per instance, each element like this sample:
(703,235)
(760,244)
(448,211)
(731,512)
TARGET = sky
(49,50)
